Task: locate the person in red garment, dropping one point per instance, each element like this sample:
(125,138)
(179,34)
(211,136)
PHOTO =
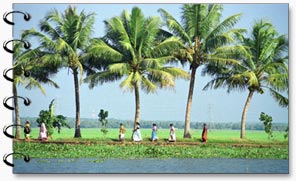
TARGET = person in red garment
(204,133)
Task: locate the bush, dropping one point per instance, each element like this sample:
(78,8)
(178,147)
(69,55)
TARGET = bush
(50,120)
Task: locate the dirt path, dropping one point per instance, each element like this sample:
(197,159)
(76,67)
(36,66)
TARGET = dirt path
(160,143)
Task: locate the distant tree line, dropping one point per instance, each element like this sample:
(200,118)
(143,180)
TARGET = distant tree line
(114,123)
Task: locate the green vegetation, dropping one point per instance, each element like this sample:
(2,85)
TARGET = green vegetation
(114,123)
(222,144)
(135,51)
(104,121)
(141,51)
(262,66)
(146,53)
(215,136)
(63,37)
(51,120)
(267,121)
(203,34)
(28,74)
(138,150)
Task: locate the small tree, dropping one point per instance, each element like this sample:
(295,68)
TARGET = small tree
(52,121)
(104,121)
(59,122)
(267,121)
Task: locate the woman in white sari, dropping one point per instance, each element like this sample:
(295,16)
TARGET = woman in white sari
(43,132)
(137,133)
(172,137)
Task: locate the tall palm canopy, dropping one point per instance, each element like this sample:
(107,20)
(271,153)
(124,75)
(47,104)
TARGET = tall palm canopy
(202,33)
(263,66)
(63,40)
(39,73)
(134,51)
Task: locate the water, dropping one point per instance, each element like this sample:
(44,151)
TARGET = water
(93,165)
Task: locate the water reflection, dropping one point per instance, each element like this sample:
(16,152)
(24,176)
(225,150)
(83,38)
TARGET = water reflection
(93,165)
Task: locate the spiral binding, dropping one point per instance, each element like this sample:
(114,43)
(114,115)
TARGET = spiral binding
(27,45)
(26,158)
(26,74)
(27,16)
(5,130)
(27,101)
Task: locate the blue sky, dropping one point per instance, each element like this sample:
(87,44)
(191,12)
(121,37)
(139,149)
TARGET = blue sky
(211,105)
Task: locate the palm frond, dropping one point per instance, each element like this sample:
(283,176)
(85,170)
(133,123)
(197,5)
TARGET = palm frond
(174,26)
(222,61)
(252,78)
(282,46)
(161,78)
(46,27)
(147,85)
(213,15)
(257,66)
(167,47)
(150,32)
(18,80)
(52,59)
(177,72)
(83,30)
(278,82)
(34,83)
(54,16)
(219,82)
(64,48)
(193,19)
(120,68)
(128,83)
(99,49)
(137,27)
(282,100)
(233,51)
(223,28)
(100,78)
(156,63)
(115,26)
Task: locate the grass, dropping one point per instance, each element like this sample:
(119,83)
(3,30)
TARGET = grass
(214,136)
(222,144)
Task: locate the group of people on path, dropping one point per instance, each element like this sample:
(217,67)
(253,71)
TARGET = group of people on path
(137,137)
(43,135)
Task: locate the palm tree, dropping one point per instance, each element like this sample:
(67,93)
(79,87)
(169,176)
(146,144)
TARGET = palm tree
(202,33)
(63,39)
(30,74)
(263,65)
(134,50)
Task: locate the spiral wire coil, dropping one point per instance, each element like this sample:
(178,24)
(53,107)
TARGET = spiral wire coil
(27,101)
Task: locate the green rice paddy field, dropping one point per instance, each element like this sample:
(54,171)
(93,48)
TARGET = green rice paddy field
(93,144)
(214,136)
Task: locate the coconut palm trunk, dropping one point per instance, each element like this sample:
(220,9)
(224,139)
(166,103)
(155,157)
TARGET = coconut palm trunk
(137,54)
(63,39)
(189,104)
(243,121)
(77,104)
(137,99)
(202,34)
(16,112)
